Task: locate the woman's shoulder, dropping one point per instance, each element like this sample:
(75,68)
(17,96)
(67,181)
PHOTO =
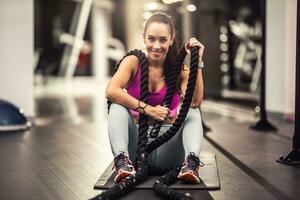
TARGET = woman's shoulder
(131,58)
(130,62)
(129,66)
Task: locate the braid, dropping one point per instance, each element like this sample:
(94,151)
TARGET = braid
(144,149)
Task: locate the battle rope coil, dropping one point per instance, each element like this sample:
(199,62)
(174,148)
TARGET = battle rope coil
(144,149)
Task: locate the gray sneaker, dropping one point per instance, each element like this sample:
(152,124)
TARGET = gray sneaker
(123,167)
(189,170)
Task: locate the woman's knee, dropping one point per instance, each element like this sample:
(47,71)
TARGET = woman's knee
(117,108)
(194,113)
(117,111)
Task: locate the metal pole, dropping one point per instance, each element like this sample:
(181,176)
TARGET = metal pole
(263,124)
(296,138)
(293,157)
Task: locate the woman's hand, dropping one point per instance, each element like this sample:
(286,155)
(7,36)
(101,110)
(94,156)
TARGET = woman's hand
(193,42)
(159,113)
(170,119)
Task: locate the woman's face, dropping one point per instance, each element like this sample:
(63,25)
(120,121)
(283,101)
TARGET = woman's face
(157,39)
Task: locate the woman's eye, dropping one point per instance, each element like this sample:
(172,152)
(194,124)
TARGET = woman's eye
(151,39)
(163,40)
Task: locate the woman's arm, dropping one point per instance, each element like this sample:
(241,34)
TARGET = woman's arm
(198,92)
(121,79)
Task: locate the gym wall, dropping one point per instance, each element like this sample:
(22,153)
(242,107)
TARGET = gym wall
(16,53)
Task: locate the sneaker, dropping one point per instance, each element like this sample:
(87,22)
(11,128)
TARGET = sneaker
(189,170)
(123,167)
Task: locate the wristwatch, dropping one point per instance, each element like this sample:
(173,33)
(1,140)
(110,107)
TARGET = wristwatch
(201,65)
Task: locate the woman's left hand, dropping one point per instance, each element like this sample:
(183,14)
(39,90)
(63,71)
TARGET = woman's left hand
(193,42)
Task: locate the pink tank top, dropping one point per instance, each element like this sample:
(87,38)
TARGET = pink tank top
(155,98)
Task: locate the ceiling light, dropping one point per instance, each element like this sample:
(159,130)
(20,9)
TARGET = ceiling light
(191,7)
(151,6)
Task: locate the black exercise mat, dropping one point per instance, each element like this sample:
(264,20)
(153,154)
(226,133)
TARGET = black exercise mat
(209,174)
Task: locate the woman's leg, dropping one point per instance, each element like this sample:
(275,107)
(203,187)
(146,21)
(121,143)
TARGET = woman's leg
(123,136)
(122,130)
(192,135)
(187,140)
(192,132)
(171,153)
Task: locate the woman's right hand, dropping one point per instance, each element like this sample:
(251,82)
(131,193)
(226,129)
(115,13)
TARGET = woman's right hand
(159,113)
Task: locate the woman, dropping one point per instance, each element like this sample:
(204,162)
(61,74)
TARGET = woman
(184,148)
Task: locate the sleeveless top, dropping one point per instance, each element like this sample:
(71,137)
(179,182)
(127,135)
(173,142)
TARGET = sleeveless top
(154,98)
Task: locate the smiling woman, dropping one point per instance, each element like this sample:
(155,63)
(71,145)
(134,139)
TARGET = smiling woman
(158,39)
(127,106)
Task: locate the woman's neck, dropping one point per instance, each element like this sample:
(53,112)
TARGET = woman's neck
(156,71)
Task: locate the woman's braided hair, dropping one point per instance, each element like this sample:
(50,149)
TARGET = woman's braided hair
(144,148)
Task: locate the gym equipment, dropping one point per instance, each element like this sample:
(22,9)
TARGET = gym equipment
(293,157)
(77,30)
(108,47)
(208,173)
(12,118)
(263,124)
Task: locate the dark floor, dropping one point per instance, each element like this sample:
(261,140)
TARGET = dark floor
(63,155)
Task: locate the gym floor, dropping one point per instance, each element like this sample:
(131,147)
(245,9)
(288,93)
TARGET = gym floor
(66,151)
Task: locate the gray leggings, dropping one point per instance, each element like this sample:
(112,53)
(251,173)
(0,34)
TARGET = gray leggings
(123,136)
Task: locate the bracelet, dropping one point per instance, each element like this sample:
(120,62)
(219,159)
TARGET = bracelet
(201,65)
(140,107)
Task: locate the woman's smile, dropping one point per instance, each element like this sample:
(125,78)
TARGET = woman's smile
(157,55)
(156,52)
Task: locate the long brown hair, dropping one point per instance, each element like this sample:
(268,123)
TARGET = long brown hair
(173,51)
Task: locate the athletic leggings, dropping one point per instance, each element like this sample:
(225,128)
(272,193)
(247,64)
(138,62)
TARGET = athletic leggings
(123,136)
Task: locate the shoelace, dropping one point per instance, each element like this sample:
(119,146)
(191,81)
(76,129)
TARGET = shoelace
(194,161)
(121,160)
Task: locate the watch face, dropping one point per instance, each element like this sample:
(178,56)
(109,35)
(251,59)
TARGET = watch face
(201,65)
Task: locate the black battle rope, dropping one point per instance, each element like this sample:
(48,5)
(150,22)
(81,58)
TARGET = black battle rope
(184,107)
(162,190)
(143,119)
(145,149)
(160,186)
(172,82)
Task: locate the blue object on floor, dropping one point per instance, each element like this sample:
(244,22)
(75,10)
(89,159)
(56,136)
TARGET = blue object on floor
(12,118)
